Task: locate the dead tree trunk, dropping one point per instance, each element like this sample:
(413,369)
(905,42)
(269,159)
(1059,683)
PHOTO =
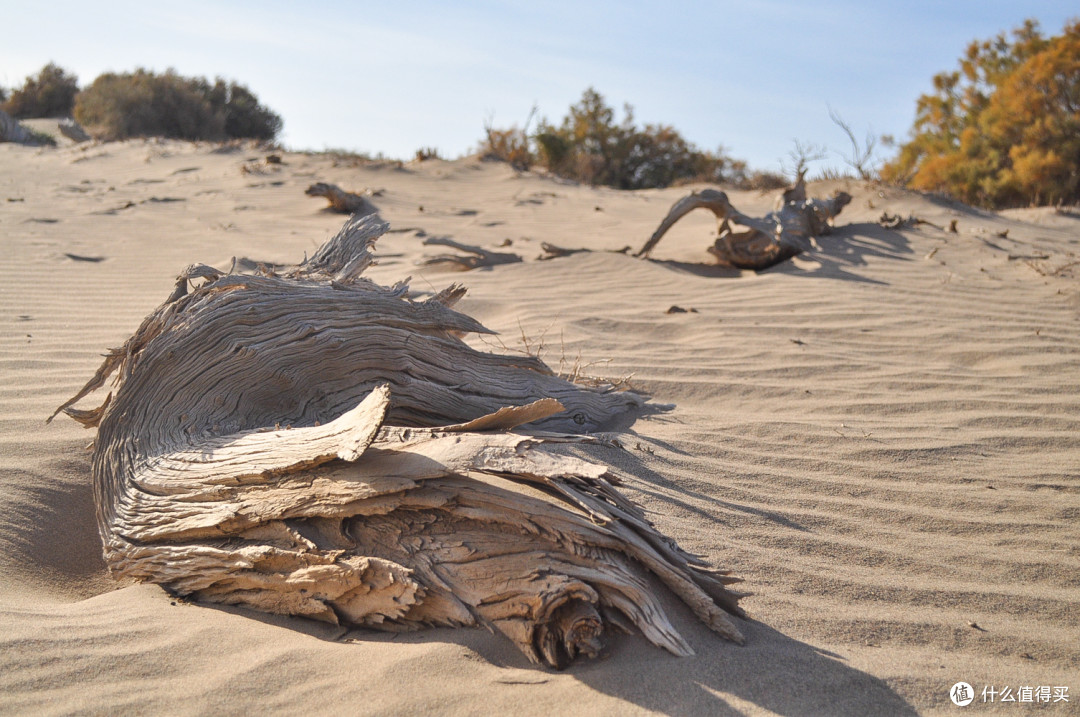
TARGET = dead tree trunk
(760,243)
(314,444)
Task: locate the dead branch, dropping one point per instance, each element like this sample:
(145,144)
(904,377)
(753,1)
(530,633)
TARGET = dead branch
(551,251)
(340,200)
(801,155)
(752,243)
(891,221)
(475,257)
(862,156)
(895,221)
(311,443)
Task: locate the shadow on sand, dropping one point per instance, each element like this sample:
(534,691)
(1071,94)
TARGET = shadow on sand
(771,671)
(849,247)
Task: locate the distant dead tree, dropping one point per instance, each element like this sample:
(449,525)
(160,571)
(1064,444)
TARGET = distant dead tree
(861,158)
(802,154)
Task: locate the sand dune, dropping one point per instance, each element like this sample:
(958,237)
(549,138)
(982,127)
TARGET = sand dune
(879,436)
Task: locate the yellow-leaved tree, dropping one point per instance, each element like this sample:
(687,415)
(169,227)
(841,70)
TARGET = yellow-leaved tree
(1004,129)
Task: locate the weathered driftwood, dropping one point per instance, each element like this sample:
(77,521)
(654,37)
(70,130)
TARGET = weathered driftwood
(12,131)
(73,131)
(895,221)
(340,200)
(760,243)
(311,443)
(553,251)
(474,257)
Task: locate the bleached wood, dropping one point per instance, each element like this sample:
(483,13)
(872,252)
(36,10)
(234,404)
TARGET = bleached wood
(764,242)
(12,131)
(310,443)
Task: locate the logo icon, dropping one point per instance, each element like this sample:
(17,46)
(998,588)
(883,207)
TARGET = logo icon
(962,694)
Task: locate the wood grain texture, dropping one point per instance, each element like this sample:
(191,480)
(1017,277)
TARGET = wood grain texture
(311,443)
(763,242)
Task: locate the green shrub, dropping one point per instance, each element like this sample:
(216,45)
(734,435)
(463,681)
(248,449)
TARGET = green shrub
(145,104)
(50,94)
(590,146)
(42,139)
(244,116)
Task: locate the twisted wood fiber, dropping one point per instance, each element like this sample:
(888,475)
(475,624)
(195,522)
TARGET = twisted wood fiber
(315,444)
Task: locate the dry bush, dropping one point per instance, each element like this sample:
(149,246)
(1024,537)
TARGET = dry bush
(425,153)
(590,146)
(511,145)
(764,181)
(50,94)
(146,104)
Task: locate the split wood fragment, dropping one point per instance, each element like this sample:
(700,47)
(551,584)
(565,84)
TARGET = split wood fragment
(310,443)
(760,243)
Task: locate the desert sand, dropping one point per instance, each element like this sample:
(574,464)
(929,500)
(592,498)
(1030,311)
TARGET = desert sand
(880,436)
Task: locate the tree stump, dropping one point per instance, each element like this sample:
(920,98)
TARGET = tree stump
(307,442)
(760,243)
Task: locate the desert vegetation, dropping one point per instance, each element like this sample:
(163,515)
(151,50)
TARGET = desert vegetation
(50,94)
(143,103)
(146,104)
(1003,129)
(589,145)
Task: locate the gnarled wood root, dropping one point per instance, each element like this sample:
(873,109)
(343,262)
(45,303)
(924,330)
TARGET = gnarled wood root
(341,201)
(310,443)
(763,242)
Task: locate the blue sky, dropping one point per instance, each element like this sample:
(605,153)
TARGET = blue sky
(394,76)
